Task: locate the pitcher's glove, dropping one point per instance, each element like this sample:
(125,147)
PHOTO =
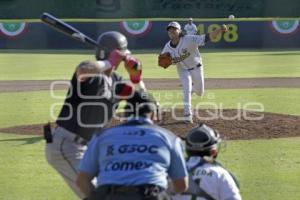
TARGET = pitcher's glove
(165,60)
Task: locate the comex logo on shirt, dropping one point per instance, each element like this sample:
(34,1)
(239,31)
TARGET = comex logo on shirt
(127,166)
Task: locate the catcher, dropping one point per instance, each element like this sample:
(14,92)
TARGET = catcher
(208,179)
(183,51)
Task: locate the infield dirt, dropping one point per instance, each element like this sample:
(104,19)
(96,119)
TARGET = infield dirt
(267,125)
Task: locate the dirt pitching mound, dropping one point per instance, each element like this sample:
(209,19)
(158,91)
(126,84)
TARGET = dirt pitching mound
(232,124)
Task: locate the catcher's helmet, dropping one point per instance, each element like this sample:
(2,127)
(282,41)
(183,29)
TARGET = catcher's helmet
(202,139)
(109,41)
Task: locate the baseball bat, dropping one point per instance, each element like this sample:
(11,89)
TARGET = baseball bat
(67,29)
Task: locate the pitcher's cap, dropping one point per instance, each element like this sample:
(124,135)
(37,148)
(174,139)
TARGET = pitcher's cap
(174,24)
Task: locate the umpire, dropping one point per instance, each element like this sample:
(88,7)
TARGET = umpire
(133,160)
(89,105)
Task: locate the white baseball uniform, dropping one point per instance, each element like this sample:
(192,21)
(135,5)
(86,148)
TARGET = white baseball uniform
(191,29)
(213,179)
(189,66)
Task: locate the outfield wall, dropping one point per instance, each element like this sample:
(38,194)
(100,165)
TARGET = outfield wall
(32,9)
(152,34)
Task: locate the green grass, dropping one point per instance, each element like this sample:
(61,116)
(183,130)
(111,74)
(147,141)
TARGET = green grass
(39,66)
(274,100)
(51,65)
(267,169)
(252,64)
(24,172)
(235,64)
(34,107)
(26,107)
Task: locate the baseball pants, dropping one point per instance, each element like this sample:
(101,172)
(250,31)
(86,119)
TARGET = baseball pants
(192,81)
(64,155)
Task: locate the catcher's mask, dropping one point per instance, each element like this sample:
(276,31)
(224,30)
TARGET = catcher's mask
(202,139)
(174,25)
(109,41)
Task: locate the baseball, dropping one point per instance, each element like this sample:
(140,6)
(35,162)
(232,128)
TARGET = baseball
(231,17)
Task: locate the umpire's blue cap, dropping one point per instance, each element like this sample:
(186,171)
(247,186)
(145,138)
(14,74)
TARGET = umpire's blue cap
(141,103)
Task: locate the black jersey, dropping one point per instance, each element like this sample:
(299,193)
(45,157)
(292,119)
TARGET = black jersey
(89,105)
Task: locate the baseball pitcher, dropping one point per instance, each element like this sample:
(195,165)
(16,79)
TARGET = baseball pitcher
(182,50)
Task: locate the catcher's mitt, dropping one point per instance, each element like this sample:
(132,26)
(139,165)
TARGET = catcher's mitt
(165,60)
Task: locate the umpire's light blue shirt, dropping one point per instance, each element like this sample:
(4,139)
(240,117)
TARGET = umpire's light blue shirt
(135,153)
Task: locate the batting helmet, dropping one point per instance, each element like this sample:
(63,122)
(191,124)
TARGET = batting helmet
(109,41)
(202,139)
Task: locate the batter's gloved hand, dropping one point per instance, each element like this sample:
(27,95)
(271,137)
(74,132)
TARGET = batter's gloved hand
(115,58)
(134,69)
(165,60)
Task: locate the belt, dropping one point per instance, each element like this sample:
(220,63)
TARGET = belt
(144,190)
(71,136)
(197,66)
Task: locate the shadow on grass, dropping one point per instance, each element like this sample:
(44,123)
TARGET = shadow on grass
(26,140)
